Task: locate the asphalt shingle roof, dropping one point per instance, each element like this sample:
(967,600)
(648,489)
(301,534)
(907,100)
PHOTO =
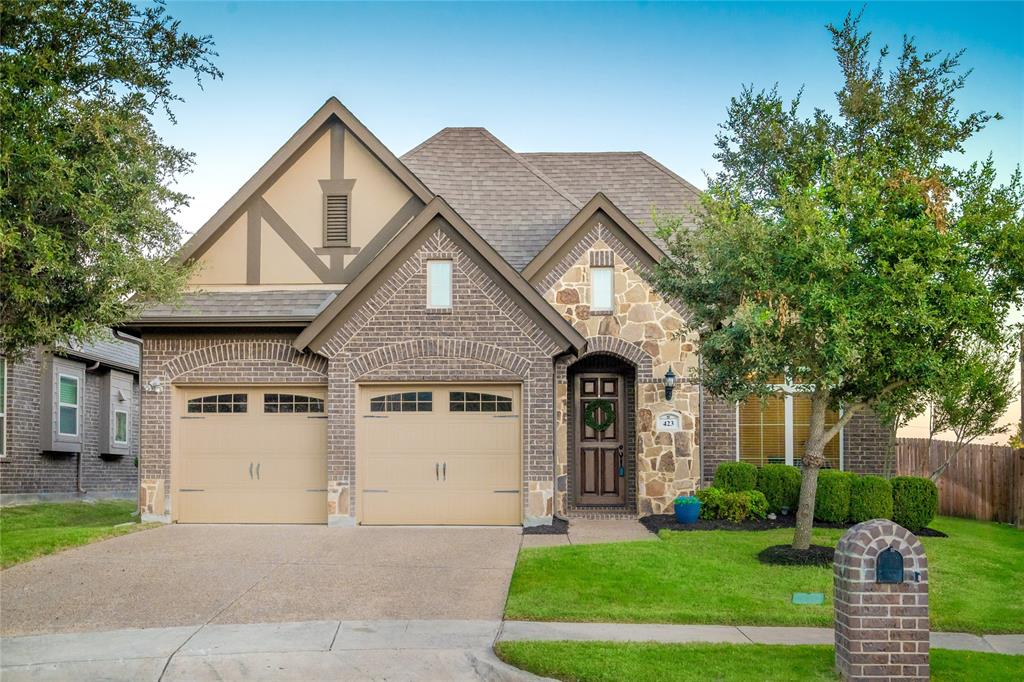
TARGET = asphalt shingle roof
(518,201)
(297,304)
(108,350)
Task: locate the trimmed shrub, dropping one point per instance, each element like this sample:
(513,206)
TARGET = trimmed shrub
(710,502)
(914,501)
(733,477)
(832,503)
(742,505)
(780,484)
(870,498)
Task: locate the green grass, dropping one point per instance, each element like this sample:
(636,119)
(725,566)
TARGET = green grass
(977,577)
(33,530)
(607,661)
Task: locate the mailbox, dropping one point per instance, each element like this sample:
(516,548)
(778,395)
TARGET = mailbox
(889,567)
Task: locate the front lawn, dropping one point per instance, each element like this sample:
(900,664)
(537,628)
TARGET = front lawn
(599,661)
(33,530)
(977,577)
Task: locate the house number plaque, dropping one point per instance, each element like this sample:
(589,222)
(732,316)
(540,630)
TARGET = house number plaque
(670,422)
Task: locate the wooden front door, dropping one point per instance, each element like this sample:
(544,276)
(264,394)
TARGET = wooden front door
(600,455)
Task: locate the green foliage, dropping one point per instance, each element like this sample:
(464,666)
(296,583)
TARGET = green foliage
(736,476)
(780,484)
(832,503)
(86,211)
(845,251)
(683,500)
(870,498)
(710,502)
(915,502)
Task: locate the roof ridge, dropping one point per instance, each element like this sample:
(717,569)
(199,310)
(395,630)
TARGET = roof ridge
(565,194)
(436,136)
(669,172)
(622,153)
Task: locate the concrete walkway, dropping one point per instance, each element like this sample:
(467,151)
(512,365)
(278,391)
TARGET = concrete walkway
(593,531)
(313,650)
(730,634)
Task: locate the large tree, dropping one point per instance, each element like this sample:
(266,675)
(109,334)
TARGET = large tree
(846,251)
(87,198)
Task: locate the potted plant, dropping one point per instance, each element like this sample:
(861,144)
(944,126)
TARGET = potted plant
(687,509)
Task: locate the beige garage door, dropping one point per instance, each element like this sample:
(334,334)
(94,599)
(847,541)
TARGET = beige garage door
(439,454)
(250,455)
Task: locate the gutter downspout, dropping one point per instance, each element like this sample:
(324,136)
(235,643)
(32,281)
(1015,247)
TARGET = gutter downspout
(78,473)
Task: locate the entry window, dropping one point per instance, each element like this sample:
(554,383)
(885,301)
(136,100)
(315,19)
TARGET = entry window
(602,294)
(439,284)
(409,401)
(291,403)
(67,411)
(463,401)
(224,403)
(775,430)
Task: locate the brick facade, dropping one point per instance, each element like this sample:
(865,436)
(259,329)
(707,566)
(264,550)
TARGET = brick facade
(206,358)
(27,471)
(644,331)
(392,336)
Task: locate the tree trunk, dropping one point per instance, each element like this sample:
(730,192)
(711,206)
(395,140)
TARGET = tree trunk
(812,461)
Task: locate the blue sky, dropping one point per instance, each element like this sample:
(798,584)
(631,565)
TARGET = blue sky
(551,77)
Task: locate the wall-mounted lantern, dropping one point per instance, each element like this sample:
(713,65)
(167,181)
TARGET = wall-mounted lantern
(670,383)
(889,567)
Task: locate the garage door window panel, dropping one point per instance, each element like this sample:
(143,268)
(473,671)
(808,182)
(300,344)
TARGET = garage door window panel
(465,401)
(221,403)
(407,401)
(291,403)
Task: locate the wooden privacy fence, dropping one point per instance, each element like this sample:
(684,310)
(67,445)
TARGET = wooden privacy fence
(983,482)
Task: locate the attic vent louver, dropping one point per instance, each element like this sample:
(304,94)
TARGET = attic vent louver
(336,220)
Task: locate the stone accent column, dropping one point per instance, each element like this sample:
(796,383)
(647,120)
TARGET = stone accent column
(881,627)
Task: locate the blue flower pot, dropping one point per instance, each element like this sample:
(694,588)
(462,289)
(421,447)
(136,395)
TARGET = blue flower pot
(688,512)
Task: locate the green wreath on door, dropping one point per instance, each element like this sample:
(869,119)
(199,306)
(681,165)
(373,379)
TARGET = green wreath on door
(590,414)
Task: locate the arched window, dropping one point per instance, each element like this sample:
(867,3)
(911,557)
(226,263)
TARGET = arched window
(409,401)
(465,401)
(224,403)
(290,403)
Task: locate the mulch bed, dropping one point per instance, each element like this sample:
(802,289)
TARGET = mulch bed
(556,527)
(785,555)
(656,522)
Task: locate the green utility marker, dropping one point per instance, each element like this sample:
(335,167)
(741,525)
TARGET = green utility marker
(814,598)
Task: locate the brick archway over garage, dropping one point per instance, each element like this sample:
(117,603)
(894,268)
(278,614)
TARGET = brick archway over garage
(438,348)
(241,353)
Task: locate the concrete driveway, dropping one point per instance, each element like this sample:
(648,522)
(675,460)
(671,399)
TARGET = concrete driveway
(191,575)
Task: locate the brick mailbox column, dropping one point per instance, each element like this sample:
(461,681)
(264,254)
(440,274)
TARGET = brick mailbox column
(881,603)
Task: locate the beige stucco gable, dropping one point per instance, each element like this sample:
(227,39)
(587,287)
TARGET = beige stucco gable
(272,232)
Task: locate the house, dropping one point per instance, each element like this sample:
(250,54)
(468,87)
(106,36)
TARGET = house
(69,422)
(462,335)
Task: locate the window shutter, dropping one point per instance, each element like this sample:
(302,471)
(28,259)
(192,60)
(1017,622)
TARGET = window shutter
(336,232)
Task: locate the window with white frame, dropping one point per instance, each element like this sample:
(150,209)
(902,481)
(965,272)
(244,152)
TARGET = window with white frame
(3,407)
(439,284)
(68,395)
(774,430)
(602,289)
(121,427)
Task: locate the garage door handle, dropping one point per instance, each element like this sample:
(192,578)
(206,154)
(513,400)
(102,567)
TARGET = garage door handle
(258,470)
(250,471)
(191,490)
(444,471)
(437,474)
(507,491)
(316,490)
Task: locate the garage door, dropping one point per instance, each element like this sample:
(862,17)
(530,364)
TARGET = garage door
(439,454)
(250,455)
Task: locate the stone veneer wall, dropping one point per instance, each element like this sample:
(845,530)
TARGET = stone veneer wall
(392,336)
(26,470)
(644,330)
(865,439)
(206,358)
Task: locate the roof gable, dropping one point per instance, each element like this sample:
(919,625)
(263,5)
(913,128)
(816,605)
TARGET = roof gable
(274,207)
(317,333)
(538,267)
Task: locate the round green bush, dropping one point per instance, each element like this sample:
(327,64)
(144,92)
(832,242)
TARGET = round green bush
(710,502)
(780,484)
(734,477)
(870,498)
(832,502)
(914,501)
(742,505)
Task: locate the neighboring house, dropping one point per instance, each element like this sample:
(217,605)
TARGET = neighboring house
(459,336)
(70,422)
